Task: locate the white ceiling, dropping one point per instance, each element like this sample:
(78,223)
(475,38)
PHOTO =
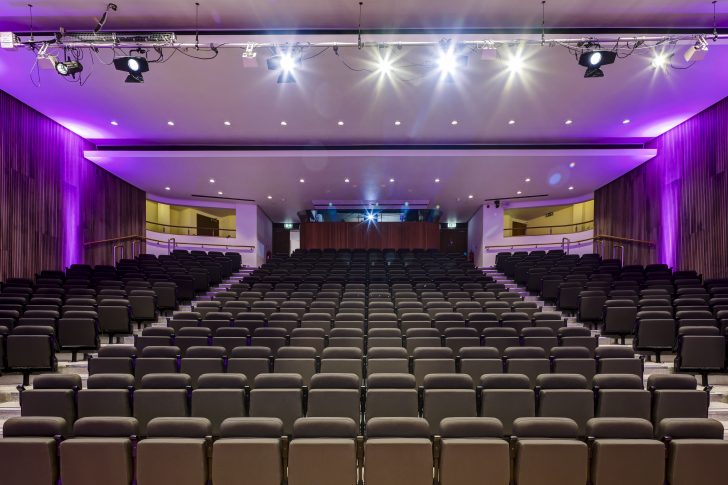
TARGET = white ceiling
(483,174)
(200,95)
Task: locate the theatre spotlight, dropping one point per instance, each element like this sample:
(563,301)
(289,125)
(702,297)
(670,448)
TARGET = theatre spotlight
(286,63)
(594,60)
(371,217)
(135,66)
(67,68)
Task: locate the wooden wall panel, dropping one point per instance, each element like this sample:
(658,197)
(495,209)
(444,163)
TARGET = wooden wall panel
(52,199)
(354,235)
(679,199)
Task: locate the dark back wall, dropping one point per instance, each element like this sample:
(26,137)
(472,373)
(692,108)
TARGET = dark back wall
(52,200)
(679,199)
(381,235)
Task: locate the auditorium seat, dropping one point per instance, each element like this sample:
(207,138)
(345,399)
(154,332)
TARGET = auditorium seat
(573,360)
(219,397)
(323,451)
(553,321)
(52,395)
(547,452)
(565,396)
(342,360)
(578,337)
(477,361)
(106,395)
(530,361)
(391,395)
(695,450)
(542,337)
(398,451)
(296,360)
(447,395)
(620,317)
(309,337)
(618,360)
(31,349)
(101,447)
(334,395)
(676,396)
(500,338)
(387,360)
(655,331)
(115,317)
(624,452)
(161,395)
(250,361)
(482,320)
(113,359)
(247,444)
(202,360)
(175,451)
(700,349)
(507,397)
(156,360)
(154,336)
(346,337)
(432,360)
(278,396)
(459,337)
(621,396)
(78,331)
(29,450)
(229,338)
(473,448)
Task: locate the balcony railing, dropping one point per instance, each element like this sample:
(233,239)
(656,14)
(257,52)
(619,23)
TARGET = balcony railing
(190,230)
(548,230)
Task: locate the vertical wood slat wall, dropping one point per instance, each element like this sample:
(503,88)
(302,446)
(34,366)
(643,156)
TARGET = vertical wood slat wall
(679,199)
(52,199)
(381,235)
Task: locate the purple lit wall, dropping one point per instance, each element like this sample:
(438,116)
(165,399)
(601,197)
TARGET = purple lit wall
(52,200)
(679,199)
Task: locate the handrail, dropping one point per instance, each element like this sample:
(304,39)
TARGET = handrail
(550,227)
(196,228)
(599,237)
(144,238)
(113,239)
(624,239)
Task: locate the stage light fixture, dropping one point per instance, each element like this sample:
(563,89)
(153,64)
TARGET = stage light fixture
(371,217)
(384,66)
(661,60)
(286,63)
(135,66)
(595,60)
(68,68)
(515,63)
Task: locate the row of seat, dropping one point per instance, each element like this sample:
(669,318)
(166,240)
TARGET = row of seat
(285,396)
(327,321)
(329,451)
(474,361)
(453,337)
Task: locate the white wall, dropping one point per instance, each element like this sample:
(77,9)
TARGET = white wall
(493,221)
(295,240)
(264,236)
(475,236)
